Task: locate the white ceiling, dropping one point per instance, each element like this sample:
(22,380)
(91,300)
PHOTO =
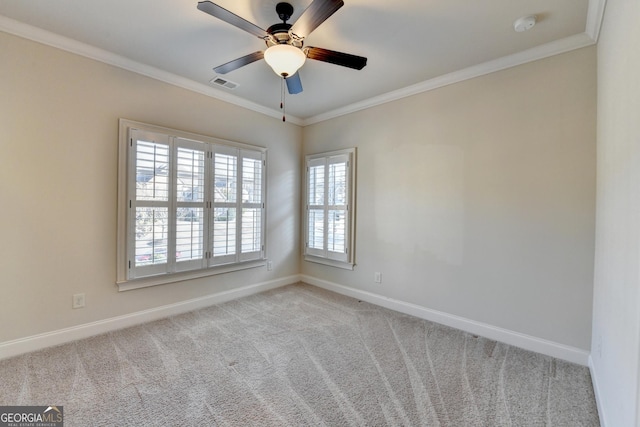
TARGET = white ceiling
(411,45)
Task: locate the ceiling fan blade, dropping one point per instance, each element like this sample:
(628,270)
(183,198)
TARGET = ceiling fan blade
(317,12)
(240,62)
(338,58)
(231,18)
(294,84)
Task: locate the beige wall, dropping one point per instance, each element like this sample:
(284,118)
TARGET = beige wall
(616,311)
(58,180)
(478,199)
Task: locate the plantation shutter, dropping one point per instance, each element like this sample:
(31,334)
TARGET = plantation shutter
(190,221)
(149,204)
(190,206)
(224,209)
(316,212)
(337,206)
(328,215)
(252,205)
(237,215)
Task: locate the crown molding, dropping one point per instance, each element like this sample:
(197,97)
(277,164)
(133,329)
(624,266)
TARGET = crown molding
(595,15)
(589,37)
(39,35)
(539,52)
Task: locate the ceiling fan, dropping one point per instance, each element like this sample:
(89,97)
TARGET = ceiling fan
(285,51)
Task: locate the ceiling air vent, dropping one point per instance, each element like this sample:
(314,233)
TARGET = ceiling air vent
(219,81)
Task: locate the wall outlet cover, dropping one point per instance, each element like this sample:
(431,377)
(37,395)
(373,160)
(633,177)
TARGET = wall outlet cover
(78,300)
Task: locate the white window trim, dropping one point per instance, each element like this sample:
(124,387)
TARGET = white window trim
(349,263)
(122,261)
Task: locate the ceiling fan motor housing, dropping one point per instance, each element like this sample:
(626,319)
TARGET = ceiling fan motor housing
(280,35)
(280,31)
(284,11)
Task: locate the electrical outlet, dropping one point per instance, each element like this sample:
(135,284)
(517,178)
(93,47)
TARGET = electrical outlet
(269,265)
(78,300)
(377,277)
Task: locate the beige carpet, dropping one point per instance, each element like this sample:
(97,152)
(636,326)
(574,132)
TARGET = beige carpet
(297,356)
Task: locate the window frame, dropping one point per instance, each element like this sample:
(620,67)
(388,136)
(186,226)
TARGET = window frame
(325,256)
(128,275)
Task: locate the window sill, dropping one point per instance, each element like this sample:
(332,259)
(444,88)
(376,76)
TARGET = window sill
(162,279)
(329,262)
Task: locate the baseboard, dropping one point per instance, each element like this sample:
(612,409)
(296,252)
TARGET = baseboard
(527,342)
(61,336)
(596,391)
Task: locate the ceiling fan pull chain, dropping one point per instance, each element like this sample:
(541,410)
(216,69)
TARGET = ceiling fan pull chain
(282,95)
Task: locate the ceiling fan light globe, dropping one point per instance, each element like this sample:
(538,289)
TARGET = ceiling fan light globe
(284,59)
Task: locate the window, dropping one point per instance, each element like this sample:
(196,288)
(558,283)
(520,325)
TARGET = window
(329,222)
(190,206)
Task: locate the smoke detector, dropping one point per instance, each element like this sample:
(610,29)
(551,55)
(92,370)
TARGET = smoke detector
(525,23)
